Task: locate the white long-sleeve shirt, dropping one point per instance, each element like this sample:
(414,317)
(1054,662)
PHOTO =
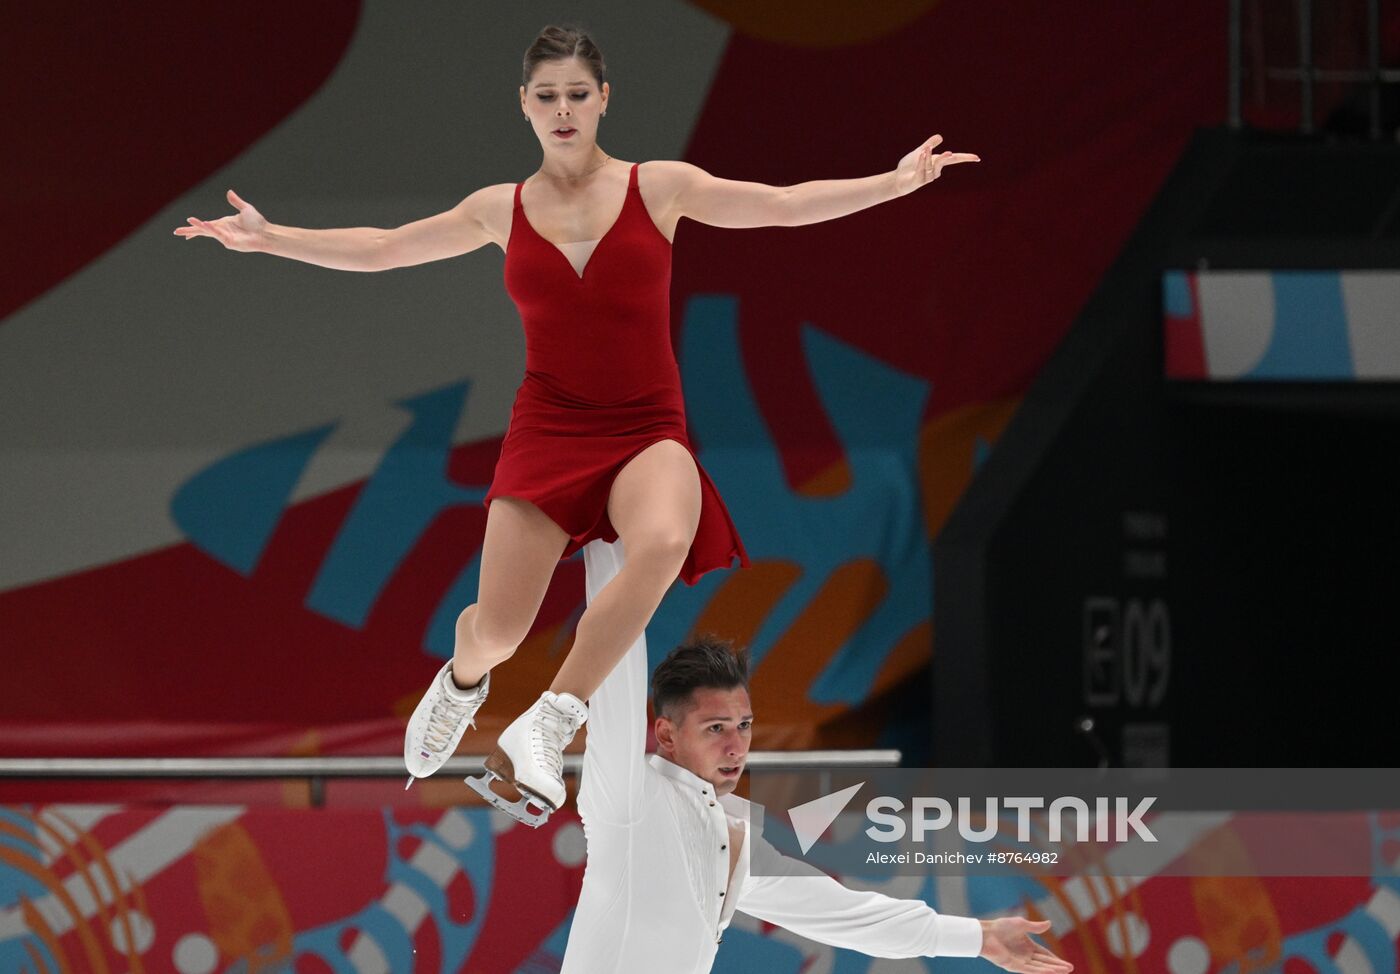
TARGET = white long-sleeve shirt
(657,895)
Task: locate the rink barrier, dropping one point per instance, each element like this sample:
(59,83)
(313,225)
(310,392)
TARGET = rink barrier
(316,770)
(371,767)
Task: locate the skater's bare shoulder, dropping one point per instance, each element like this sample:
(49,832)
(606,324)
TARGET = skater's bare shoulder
(673,189)
(480,219)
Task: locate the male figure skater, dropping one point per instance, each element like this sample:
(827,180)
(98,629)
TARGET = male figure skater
(669,852)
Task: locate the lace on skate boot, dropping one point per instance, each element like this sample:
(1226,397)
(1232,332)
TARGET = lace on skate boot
(440,720)
(530,758)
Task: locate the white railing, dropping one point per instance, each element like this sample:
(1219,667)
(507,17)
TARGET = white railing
(316,770)
(370,767)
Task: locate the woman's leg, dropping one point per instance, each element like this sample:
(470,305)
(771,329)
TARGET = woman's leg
(655,507)
(518,557)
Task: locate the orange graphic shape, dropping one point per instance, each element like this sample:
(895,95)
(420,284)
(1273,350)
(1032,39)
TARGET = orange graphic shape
(34,920)
(835,479)
(104,866)
(296,793)
(248,919)
(97,962)
(846,600)
(948,451)
(745,599)
(1237,917)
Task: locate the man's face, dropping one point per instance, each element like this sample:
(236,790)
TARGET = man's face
(712,738)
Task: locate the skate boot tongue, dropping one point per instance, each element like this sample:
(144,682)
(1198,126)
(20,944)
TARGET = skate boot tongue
(476,694)
(529,756)
(451,709)
(440,720)
(568,706)
(560,716)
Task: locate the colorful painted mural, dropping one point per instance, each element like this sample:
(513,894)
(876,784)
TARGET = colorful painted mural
(194,889)
(242,497)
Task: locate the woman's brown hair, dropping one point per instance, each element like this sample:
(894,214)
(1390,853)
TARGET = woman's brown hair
(561,43)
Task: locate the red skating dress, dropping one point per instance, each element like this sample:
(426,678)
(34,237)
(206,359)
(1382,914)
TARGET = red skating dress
(601,382)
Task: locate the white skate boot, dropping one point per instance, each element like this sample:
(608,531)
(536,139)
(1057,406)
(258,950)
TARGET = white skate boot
(529,755)
(439,721)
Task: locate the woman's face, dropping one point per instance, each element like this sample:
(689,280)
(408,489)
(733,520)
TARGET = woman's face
(563,95)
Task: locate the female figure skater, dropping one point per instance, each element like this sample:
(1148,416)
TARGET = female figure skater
(596,446)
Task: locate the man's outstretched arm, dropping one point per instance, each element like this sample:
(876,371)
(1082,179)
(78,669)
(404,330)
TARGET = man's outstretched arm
(798,897)
(614,757)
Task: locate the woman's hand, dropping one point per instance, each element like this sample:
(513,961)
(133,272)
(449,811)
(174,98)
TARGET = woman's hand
(923,165)
(1007,943)
(242,231)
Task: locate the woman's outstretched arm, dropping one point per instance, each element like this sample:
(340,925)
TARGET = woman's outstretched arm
(460,230)
(737,204)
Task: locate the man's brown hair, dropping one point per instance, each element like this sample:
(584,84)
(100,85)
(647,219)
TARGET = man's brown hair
(706,661)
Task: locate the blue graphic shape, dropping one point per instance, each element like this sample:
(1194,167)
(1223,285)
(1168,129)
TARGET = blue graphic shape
(229,510)
(476,859)
(1383,839)
(875,411)
(441,637)
(981,450)
(16,883)
(1310,339)
(1375,944)
(549,955)
(393,510)
(1176,295)
(389,934)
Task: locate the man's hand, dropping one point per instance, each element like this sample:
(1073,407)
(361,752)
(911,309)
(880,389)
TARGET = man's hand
(1007,943)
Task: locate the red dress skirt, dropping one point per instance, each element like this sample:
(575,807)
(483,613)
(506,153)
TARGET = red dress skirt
(601,382)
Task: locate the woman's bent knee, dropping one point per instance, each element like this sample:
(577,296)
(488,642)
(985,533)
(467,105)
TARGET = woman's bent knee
(489,633)
(666,551)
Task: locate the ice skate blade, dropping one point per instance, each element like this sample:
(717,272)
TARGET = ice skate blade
(519,809)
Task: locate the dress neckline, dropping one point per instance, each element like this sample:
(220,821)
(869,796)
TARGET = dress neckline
(626,201)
